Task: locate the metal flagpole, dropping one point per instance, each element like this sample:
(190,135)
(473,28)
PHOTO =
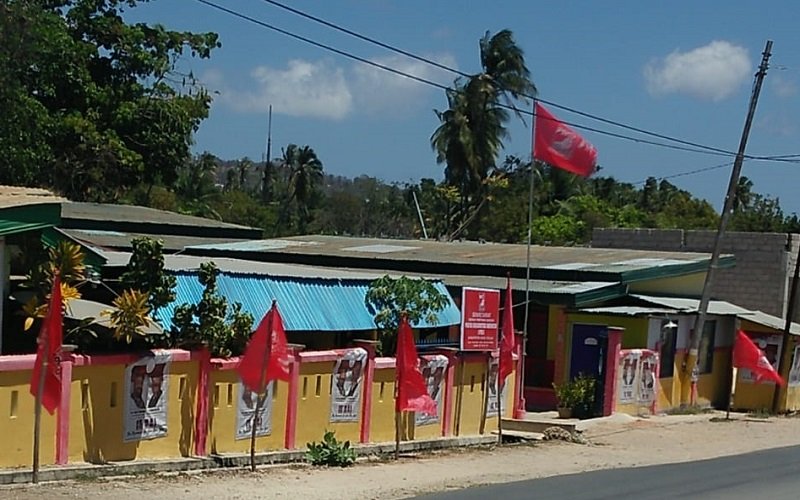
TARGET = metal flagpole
(262,386)
(521,396)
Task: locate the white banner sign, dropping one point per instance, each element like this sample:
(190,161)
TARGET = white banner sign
(629,368)
(246,408)
(794,373)
(647,377)
(492,408)
(434,372)
(146,393)
(348,374)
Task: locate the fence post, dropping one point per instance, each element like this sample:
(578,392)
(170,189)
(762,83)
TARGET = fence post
(292,397)
(201,423)
(612,365)
(366,394)
(62,419)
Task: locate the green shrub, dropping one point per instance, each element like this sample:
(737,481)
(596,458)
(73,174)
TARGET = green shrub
(330,452)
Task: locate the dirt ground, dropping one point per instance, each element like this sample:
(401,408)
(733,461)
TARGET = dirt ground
(618,442)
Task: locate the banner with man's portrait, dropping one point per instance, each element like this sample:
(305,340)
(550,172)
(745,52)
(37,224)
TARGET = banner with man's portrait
(492,408)
(348,375)
(246,408)
(434,373)
(771,346)
(146,394)
(629,370)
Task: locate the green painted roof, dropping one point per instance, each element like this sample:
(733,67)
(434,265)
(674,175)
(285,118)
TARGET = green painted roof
(27,209)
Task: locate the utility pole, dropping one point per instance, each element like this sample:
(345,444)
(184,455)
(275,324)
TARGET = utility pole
(691,365)
(266,158)
(787,328)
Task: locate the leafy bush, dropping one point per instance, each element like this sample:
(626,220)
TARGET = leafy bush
(577,394)
(330,452)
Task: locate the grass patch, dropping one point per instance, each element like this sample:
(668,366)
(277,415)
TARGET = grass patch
(690,410)
(762,413)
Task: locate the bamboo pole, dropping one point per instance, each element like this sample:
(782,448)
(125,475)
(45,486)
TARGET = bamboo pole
(485,396)
(499,402)
(460,395)
(37,412)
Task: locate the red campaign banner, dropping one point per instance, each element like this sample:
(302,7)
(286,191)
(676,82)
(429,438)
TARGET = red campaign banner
(480,317)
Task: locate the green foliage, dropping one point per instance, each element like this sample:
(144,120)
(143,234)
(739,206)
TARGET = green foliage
(577,393)
(92,105)
(130,316)
(389,298)
(224,328)
(557,230)
(330,452)
(145,272)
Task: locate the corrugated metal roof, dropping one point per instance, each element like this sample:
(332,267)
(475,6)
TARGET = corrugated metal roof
(688,306)
(305,304)
(73,211)
(16,196)
(122,240)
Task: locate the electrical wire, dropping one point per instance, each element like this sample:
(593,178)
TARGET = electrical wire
(687,146)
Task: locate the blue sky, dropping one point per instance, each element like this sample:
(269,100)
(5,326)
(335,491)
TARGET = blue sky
(680,68)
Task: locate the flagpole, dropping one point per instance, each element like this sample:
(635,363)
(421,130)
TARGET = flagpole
(485,394)
(37,412)
(521,395)
(397,383)
(262,386)
(499,402)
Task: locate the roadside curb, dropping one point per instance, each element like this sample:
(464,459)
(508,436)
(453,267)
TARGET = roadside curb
(226,461)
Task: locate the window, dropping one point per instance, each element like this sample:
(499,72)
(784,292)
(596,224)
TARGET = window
(669,342)
(705,355)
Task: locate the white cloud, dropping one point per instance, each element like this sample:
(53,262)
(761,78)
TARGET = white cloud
(714,71)
(303,88)
(379,91)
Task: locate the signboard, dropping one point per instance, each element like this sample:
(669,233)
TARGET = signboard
(348,374)
(492,407)
(246,409)
(480,317)
(637,377)
(647,378)
(146,392)
(434,372)
(771,345)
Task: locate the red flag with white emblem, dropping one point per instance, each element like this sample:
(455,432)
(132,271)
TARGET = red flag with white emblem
(747,355)
(267,356)
(557,144)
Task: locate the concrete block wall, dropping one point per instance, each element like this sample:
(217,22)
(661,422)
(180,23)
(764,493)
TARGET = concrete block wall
(764,261)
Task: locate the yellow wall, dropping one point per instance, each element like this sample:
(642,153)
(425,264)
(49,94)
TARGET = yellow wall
(690,285)
(224,392)
(635,336)
(16,423)
(314,411)
(96,416)
(382,423)
(470,387)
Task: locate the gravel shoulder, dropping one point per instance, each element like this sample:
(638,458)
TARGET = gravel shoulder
(612,443)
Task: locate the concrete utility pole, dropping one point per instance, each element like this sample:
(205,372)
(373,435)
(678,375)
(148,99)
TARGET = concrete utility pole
(786,344)
(267,160)
(691,365)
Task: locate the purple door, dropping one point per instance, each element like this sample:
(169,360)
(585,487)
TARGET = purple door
(589,346)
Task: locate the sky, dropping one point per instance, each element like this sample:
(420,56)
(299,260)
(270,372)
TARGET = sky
(680,68)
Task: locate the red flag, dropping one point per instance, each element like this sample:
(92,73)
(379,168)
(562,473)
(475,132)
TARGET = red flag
(557,144)
(412,392)
(747,355)
(48,353)
(508,342)
(267,356)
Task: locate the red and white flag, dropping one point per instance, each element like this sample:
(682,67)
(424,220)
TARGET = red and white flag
(508,342)
(412,391)
(48,353)
(557,144)
(268,347)
(747,355)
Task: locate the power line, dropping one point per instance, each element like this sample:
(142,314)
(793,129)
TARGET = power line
(688,147)
(688,172)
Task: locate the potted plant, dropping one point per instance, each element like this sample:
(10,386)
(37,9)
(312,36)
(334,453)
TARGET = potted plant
(566,398)
(584,393)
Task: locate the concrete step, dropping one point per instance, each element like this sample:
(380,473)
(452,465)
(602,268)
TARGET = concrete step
(538,425)
(522,436)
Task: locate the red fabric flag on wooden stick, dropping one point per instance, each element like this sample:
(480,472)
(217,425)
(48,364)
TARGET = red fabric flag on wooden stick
(557,144)
(412,392)
(48,352)
(747,355)
(508,342)
(267,355)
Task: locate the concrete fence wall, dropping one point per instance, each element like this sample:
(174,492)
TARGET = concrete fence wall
(201,407)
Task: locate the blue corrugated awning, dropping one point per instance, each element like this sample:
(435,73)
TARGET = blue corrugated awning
(328,305)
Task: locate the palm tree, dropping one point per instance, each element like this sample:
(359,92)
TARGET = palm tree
(305,171)
(471,131)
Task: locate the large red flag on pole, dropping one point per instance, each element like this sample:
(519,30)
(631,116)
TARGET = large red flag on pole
(412,392)
(747,355)
(508,342)
(267,355)
(557,144)
(46,377)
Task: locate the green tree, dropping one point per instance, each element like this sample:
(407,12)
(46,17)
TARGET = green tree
(145,273)
(305,172)
(472,129)
(92,105)
(389,298)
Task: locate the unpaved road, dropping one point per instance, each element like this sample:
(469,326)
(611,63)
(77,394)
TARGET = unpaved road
(613,444)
